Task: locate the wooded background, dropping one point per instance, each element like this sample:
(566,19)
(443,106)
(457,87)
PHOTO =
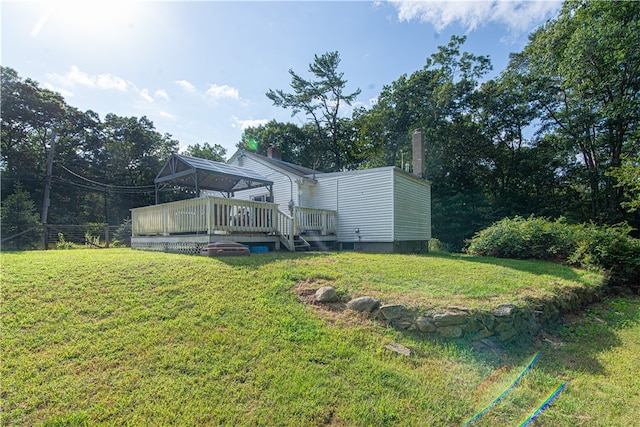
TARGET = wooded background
(556,134)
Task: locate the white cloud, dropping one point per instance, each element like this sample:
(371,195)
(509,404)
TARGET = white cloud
(224,91)
(518,15)
(65,93)
(104,81)
(161,93)
(109,81)
(167,115)
(184,84)
(144,94)
(243,124)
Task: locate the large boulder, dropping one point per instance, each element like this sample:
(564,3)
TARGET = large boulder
(363,304)
(326,294)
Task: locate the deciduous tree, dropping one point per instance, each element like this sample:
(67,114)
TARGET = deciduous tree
(321,99)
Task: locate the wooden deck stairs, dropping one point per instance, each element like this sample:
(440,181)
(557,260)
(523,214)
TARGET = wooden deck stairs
(300,245)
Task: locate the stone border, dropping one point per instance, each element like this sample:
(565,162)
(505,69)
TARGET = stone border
(486,330)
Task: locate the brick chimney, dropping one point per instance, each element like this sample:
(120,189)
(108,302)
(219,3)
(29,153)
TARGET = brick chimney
(418,153)
(274,152)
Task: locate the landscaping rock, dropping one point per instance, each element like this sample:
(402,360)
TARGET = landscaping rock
(507,335)
(326,294)
(489,345)
(393,311)
(504,310)
(363,304)
(425,325)
(481,334)
(488,321)
(405,325)
(398,348)
(447,319)
(450,331)
(503,326)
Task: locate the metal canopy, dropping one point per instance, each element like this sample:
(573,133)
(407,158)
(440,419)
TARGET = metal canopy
(201,174)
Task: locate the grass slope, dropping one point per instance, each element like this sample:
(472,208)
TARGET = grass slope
(126,337)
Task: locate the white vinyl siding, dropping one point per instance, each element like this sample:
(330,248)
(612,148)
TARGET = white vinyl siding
(363,202)
(283,183)
(385,204)
(412,208)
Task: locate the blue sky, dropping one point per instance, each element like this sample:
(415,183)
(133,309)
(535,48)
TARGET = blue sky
(200,70)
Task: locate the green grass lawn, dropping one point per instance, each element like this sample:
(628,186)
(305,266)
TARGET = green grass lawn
(127,337)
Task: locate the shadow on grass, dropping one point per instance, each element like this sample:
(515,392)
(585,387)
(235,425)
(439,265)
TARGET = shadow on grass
(528,266)
(576,343)
(259,260)
(536,267)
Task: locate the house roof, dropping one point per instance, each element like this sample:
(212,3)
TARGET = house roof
(395,169)
(202,174)
(286,166)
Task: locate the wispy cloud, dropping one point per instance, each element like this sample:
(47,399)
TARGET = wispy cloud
(161,93)
(223,91)
(519,16)
(247,123)
(144,94)
(104,81)
(186,85)
(167,115)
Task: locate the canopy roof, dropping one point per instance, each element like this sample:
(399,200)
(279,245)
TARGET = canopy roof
(201,174)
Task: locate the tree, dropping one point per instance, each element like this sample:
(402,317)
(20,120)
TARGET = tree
(440,99)
(29,114)
(133,154)
(321,99)
(214,152)
(584,73)
(20,222)
(628,176)
(523,170)
(101,169)
(292,140)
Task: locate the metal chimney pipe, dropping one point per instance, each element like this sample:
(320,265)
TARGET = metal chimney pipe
(418,153)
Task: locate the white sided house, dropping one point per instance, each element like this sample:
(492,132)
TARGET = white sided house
(281,204)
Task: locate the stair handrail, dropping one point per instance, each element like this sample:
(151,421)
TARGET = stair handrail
(286,230)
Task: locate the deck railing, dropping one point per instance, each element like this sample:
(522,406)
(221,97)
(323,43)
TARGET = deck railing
(320,221)
(285,228)
(212,215)
(204,215)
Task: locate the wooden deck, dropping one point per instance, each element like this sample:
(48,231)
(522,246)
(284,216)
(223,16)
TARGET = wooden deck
(188,225)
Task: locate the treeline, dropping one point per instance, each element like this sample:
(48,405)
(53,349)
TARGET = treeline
(555,134)
(102,168)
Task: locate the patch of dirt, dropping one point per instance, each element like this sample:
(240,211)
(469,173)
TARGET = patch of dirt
(332,312)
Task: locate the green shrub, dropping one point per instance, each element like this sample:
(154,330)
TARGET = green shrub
(123,233)
(612,250)
(535,238)
(63,244)
(19,222)
(90,240)
(605,248)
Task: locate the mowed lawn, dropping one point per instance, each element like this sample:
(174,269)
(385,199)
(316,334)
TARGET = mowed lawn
(117,337)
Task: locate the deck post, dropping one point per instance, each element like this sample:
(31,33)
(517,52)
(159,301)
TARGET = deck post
(292,224)
(209,214)
(165,231)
